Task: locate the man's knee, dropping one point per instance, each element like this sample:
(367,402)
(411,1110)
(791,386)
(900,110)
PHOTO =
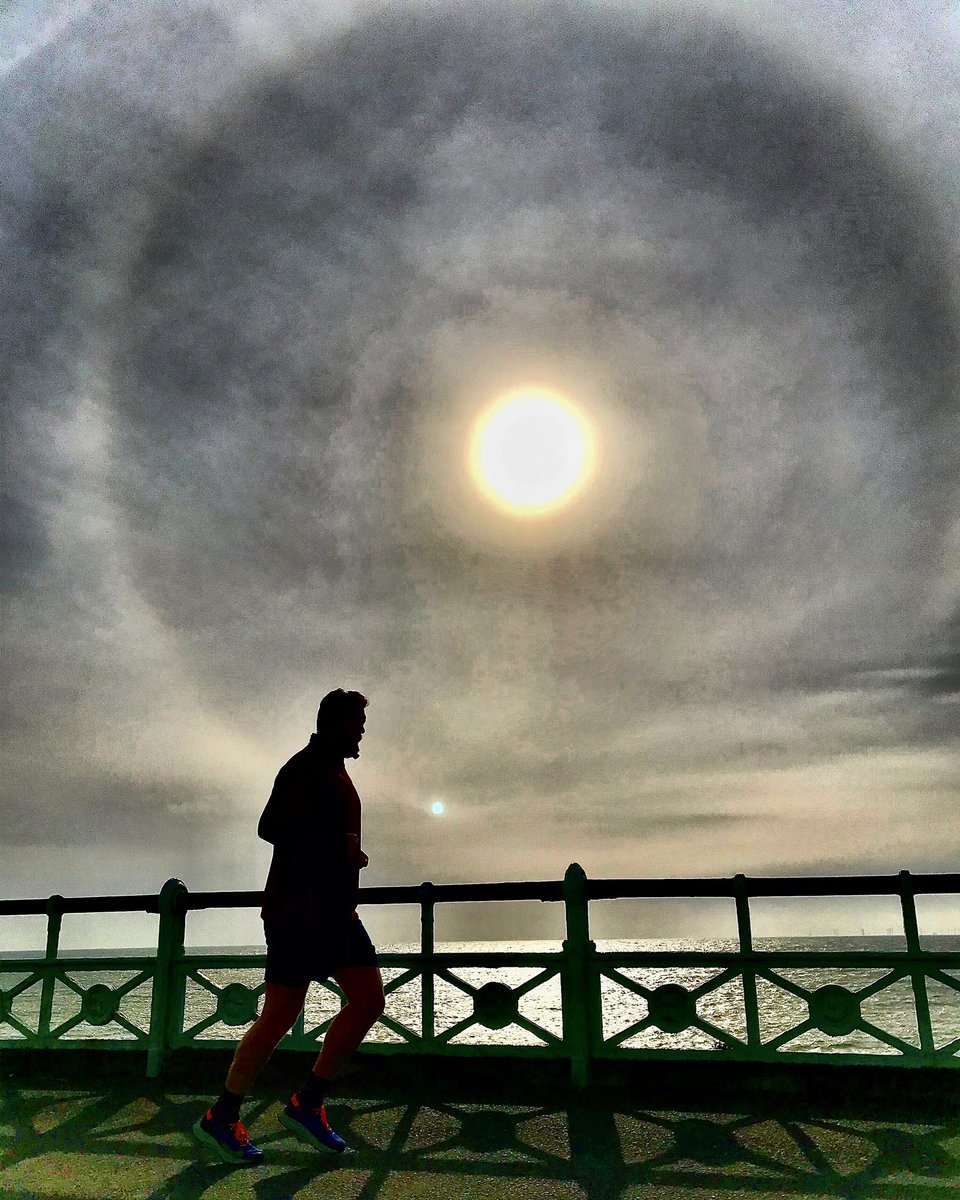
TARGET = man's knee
(270,1028)
(367,1006)
(368,1002)
(277,1021)
(281,1008)
(377,1003)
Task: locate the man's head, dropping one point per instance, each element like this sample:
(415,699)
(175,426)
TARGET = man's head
(341,720)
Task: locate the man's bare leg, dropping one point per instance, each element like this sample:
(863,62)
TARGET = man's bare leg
(363,988)
(305,1115)
(281,1007)
(220,1128)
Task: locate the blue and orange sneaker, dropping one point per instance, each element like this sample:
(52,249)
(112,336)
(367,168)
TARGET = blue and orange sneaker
(310,1125)
(231,1142)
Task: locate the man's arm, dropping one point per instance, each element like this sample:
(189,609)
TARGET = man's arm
(293,816)
(274,824)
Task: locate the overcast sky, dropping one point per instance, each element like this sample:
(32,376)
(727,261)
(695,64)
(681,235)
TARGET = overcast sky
(262,264)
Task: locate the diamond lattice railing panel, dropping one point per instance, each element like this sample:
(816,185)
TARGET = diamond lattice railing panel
(808,979)
(469,996)
(815,1041)
(620,1006)
(723,1007)
(680,1010)
(451,1004)
(543,1005)
(943,996)
(404,1005)
(112,1004)
(893,1010)
(199,1003)
(780,1010)
(66,1003)
(479,1035)
(323,1000)
(135,1006)
(19,1005)
(827,1010)
(383,1034)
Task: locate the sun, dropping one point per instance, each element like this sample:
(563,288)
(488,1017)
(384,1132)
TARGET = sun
(531,452)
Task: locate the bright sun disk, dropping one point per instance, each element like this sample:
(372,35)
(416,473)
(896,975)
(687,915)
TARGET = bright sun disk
(531,452)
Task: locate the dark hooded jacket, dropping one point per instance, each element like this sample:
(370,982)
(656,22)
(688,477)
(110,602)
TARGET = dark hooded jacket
(312,807)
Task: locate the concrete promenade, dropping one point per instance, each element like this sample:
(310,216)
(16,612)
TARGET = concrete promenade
(87,1124)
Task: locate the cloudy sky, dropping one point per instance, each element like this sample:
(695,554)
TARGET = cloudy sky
(261,267)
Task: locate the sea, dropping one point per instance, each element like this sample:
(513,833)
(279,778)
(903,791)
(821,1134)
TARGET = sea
(891,1010)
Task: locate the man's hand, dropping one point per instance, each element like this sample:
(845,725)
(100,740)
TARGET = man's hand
(356,856)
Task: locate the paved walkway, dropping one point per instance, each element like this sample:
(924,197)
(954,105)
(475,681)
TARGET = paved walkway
(104,1133)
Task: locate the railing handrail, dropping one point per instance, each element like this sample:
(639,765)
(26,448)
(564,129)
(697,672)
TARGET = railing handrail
(927,883)
(776,885)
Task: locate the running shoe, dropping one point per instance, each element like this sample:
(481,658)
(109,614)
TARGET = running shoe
(310,1125)
(231,1142)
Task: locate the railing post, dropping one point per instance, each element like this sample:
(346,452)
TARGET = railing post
(918,975)
(741,896)
(578,985)
(165,1003)
(427,981)
(54,921)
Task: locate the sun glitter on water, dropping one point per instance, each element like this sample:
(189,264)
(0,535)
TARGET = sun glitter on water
(531,452)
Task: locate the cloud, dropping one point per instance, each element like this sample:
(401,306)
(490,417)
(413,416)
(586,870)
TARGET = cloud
(109,808)
(254,305)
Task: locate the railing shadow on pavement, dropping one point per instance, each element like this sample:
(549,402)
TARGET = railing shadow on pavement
(100,1133)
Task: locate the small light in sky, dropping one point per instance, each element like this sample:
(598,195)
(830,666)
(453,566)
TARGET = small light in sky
(531,451)
(436,807)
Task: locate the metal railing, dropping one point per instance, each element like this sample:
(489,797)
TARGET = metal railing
(587,978)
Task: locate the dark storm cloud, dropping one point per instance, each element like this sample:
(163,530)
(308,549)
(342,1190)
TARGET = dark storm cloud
(728,113)
(44,231)
(939,676)
(23,541)
(109,809)
(76,141)
(285,256)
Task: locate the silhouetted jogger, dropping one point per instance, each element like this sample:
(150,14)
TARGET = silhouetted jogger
(312,931)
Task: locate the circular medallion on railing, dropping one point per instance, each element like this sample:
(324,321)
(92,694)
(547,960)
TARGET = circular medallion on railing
(834,1010)
(237,1004)
(672,1008)
(99,1004)
(495,1005)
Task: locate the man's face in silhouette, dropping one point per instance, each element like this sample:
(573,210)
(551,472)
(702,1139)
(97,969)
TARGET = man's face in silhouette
(348,734)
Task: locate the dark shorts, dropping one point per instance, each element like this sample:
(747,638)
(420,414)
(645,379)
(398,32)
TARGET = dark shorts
(295,956)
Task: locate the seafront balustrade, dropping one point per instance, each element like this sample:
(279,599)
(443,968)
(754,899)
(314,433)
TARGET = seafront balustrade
(667,991)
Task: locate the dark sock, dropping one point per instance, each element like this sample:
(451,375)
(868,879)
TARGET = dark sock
(226,1110)
(313,1092)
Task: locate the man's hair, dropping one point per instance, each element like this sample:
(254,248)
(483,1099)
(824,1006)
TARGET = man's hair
(338,704)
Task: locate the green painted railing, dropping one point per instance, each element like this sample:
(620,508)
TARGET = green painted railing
(587,979)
